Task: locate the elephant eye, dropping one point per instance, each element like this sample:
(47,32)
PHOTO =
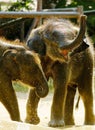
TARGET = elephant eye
(55,33)
(29,42)
(57,36)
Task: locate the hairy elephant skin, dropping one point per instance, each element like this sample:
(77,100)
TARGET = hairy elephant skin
(70,66)
(18,63)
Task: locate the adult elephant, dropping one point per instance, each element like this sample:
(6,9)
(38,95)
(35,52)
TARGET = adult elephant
(68,59)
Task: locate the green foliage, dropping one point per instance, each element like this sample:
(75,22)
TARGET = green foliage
(21,5)
(91,27)
(88,4)
(58,3)
(19,88)
(61,3)
(50,84)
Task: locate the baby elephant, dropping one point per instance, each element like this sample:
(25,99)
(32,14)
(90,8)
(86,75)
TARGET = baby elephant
(66,55)
(18,63)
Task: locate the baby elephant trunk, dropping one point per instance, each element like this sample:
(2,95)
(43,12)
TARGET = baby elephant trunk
(42,88)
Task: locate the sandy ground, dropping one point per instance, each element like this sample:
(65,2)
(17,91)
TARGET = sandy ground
(43,110)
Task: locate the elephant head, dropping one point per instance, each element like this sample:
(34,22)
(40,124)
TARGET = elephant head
(57,38)
(24,65)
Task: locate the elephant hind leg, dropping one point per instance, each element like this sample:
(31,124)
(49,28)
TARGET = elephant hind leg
(69,104)
(9,100)
(87,97)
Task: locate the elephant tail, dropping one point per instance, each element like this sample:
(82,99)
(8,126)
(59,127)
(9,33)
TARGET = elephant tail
(77,103)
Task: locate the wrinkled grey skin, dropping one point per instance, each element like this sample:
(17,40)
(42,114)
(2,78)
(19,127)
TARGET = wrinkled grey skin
(68,73)
(18,63)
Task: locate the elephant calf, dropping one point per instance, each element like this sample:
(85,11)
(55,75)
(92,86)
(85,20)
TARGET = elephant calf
(66,56)
(18,63)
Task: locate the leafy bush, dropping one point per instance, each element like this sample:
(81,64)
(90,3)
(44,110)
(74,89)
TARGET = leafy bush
(21,5)
(19,88)
(88,4)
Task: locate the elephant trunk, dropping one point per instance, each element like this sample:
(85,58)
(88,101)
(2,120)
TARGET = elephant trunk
(42,88)
(78,40)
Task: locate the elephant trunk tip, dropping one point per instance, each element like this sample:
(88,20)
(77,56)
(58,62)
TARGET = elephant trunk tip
(42,91)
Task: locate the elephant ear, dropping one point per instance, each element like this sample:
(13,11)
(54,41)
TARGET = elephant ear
(9,62)
(8,51)
(80,49)
(10,55)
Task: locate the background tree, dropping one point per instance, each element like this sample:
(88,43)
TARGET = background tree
(21,5)
(16,30)
(58,3)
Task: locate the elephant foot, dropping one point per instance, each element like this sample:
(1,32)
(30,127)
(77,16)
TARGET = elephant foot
(69,122)
(89,123)
(90,120)
(56,123)
(32,120)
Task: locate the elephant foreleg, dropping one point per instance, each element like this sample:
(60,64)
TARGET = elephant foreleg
(9,100)
(69,104)
(32,105)
(57,108)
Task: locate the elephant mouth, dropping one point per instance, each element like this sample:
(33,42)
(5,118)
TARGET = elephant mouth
(65,54)
(41,90)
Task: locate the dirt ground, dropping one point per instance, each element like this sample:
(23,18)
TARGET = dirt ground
(43,110)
